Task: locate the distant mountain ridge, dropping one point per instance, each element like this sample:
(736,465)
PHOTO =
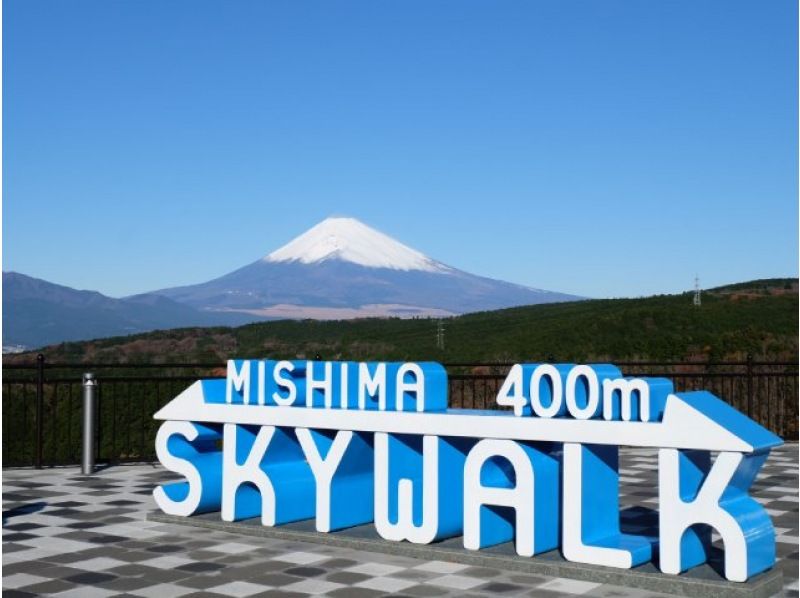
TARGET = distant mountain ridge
(37,312)
(758,318)
(342,264)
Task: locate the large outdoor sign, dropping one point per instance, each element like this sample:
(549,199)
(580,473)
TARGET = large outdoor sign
(352,443)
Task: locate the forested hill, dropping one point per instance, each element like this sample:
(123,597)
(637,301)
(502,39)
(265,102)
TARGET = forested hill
(758,317)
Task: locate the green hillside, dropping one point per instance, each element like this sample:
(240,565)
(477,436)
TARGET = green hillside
(759,317)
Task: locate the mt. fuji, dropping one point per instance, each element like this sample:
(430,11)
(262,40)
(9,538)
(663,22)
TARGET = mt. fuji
(342,268)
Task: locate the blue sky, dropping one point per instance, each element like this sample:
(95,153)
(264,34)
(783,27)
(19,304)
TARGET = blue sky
(597,148)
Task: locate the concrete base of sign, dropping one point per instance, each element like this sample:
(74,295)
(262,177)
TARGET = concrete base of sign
(700,582)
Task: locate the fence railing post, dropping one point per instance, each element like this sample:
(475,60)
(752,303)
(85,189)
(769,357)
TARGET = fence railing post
(89,408)
(39,409)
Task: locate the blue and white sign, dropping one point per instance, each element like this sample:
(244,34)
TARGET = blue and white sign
(351,443)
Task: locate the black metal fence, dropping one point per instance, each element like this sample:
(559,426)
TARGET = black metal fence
(42,401)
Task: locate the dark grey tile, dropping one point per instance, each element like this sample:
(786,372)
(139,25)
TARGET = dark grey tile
(200,567)
(497,587)
(90,578)
(346,577)
(57,571)
(125,584)
(305,571)
(132,570)
(84,525)
(106,539)
(355,593)
(424,590)
(21,527)
(202,582)
(481,572)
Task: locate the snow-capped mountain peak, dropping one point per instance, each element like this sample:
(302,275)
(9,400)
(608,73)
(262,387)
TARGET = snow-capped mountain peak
(350,240)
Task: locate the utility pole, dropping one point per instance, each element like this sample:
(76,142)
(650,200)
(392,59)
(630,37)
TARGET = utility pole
(440,335)
(696,300)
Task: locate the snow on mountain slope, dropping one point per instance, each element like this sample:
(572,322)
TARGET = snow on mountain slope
(342,268)
(349,240)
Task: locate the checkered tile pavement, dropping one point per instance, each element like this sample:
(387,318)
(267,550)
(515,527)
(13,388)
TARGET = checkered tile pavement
(67,535)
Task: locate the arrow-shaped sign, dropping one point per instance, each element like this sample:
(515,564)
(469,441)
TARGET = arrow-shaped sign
(695,420)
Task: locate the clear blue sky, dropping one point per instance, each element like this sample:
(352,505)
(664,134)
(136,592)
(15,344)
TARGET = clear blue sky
(597,148)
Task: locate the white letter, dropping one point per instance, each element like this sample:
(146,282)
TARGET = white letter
(287,383)
(556,396)
(625,388)
(592,392)
(676,515)
(189,504)
(261,381)
(405,529)
(510,393)
(325,385)
(520,497)
(417,386)
(323,470)
(234,475)
(239,381)
(371,385)
(344,395)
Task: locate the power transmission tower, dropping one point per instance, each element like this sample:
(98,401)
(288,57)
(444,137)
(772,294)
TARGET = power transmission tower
(696,300)
(440,335)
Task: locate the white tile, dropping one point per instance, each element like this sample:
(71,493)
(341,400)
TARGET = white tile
(98,564)
(86,592)
(629,479)
(240,589)
(44,532)
(126,531)
(456,582)
(18,580)
(374,569)
(148,524)
(41,519)
(298,558)
(34,554)
(162,590)
(313,586)
(91,508)
(441,567)
(386,584)
(232,548)
(568,586)
(57,544)
(166,562)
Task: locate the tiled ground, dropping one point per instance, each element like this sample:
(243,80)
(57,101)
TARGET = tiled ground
(69,535)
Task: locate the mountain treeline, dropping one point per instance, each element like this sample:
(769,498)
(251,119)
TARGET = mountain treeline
(758,318)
